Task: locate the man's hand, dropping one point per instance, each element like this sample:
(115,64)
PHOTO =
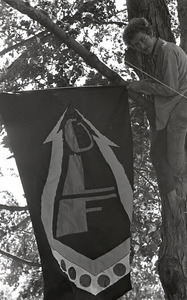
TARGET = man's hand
(136,86)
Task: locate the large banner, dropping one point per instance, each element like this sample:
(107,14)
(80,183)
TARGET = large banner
(73,150)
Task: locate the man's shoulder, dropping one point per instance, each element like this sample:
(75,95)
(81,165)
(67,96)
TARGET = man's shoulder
(164,48)
(169,46)
(171,50)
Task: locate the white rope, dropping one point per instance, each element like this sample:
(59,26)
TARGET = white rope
(157,80)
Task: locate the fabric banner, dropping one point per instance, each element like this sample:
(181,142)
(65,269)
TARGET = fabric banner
(73,149)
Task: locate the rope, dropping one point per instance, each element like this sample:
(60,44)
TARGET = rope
(157,80)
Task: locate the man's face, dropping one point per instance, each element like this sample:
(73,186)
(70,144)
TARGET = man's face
(143,42)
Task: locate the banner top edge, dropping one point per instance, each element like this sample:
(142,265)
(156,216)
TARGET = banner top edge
(63,88)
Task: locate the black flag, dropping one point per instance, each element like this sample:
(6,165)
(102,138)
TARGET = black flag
(73,150)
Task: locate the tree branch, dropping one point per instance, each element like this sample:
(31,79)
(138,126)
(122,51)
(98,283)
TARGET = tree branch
(13,208)
(118,23)
(21,224)
(20,260)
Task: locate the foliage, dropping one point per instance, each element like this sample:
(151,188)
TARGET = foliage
(16,228)
(172,4)
(146,217)
(45,61)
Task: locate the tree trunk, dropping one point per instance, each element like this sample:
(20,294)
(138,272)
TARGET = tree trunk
(172,264)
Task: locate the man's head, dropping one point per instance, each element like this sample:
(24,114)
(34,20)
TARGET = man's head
(139,35)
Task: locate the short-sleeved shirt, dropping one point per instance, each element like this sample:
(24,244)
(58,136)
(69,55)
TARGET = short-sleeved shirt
(171,69)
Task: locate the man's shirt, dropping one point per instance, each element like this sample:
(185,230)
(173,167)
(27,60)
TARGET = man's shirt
(171,70)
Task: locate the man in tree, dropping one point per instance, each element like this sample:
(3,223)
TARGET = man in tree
(168,85)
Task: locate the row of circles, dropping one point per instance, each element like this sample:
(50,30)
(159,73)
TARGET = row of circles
(103,280)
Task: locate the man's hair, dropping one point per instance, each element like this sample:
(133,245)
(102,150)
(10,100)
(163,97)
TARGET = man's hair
(135,26)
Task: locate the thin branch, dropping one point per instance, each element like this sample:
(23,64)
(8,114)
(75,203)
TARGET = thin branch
(143,176)
(21,260)
(115,23)
(120,24)
(22,223)
(23,43)
(13,207)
